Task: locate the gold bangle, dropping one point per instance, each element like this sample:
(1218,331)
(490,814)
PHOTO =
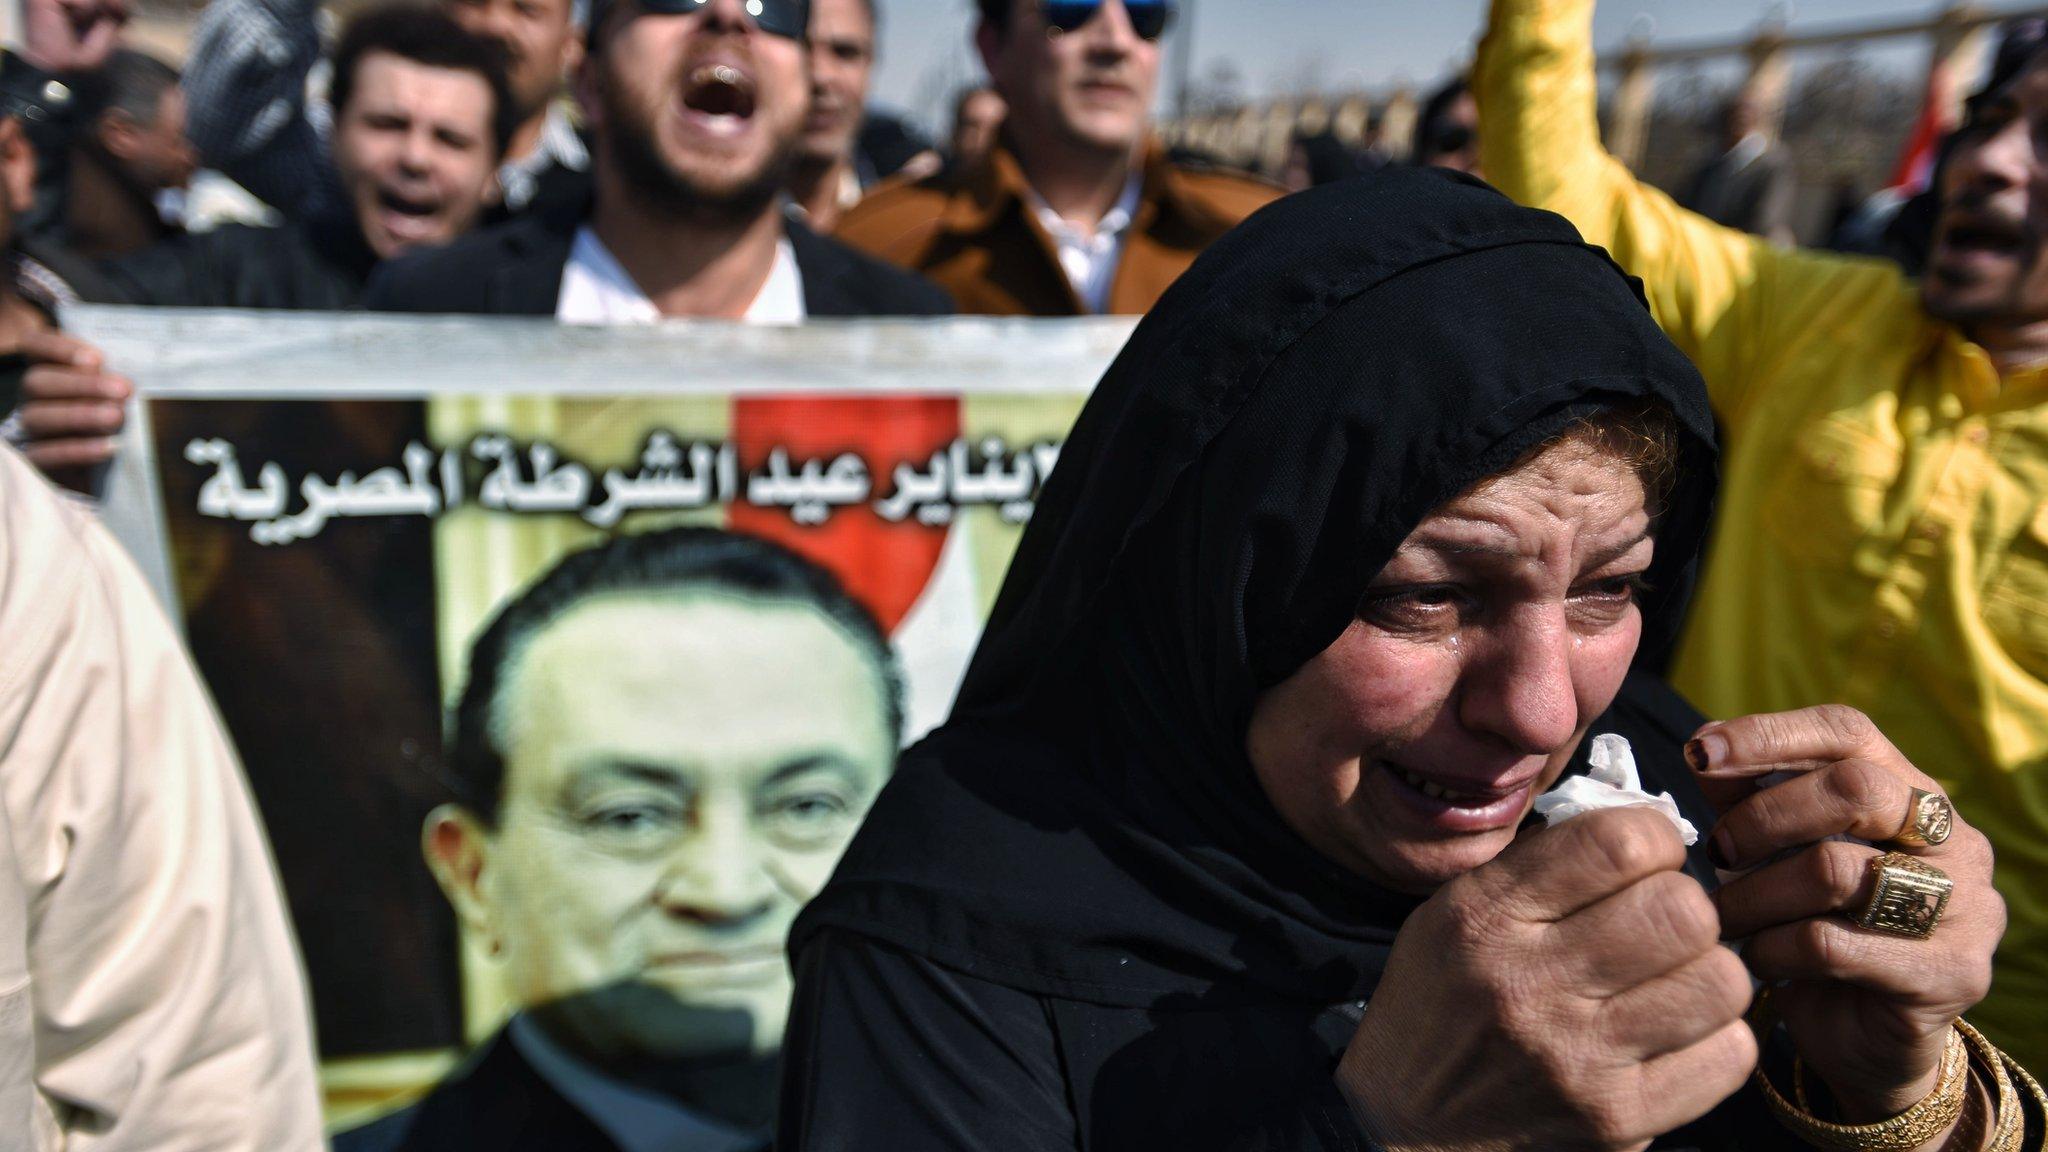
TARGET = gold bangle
(1935,1113)
(1976,1120)
(2008,1125)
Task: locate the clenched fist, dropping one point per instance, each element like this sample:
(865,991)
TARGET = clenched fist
(1570,993)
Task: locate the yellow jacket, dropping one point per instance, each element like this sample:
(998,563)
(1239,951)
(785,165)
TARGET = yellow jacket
(1883,535)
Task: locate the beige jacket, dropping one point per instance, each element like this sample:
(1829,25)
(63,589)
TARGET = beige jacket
(150,993)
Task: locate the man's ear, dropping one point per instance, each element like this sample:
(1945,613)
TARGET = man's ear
(458,852)
(117,135)
(584,85)
(988,40)
(572,57)
(17,167)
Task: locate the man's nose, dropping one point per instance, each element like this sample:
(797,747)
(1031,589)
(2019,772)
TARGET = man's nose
(1516,687)
(2003,159)
(491,21)
(416,156)
(726,16)
(1111,33)
(719,875)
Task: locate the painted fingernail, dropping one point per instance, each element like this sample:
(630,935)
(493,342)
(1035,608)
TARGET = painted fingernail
(1706,750)
(1721,849)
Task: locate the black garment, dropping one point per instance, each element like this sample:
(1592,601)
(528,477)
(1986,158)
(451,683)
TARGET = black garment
(1073,918)
(555,189)
(309,265)
(1754,195)
(884,145)
(497,1103)
(515,269)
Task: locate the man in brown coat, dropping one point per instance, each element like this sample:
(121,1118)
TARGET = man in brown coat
(1077,211)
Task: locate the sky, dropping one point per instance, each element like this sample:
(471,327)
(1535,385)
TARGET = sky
(1350,44)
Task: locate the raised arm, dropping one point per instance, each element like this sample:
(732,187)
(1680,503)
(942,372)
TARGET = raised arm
(246,90)
(1733,302)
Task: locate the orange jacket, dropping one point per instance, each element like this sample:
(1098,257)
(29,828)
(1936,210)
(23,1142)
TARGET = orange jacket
(975,234)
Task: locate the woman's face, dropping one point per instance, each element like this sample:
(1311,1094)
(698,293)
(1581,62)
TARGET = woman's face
(1412,747)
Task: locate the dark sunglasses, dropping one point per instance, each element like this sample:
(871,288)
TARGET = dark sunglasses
(1149,18)
(1451,138)
(788,18)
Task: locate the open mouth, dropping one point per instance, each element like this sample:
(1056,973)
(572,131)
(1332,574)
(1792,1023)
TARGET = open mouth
(719,96)
(1984,235)
(408,218)
(1460,807)
(1461,797)
(405,205)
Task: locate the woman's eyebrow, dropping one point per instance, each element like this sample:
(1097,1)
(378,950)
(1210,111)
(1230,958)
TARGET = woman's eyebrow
(1609,555)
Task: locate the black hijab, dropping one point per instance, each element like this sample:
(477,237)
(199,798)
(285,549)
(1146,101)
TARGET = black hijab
(1087,825)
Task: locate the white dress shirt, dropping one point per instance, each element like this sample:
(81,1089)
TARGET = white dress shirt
(597,289)
(1089,256)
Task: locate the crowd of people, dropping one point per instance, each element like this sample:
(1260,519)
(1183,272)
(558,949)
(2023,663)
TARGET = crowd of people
(1410,485)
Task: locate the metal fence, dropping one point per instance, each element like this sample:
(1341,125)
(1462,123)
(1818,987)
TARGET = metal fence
(1842,120)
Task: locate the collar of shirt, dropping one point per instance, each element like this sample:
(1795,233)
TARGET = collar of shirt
(1746,151)
(637,1120)
(1089,256)
(558,146)
(597,289)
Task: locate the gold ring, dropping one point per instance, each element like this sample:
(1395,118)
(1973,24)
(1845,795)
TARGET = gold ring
(1929,820)
(1909,897)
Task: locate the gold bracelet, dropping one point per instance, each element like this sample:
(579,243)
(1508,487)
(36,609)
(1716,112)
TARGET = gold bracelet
(1935,1114)
(1976,1121)
(2009,1123)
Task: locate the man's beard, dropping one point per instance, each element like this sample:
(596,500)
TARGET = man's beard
(661,189)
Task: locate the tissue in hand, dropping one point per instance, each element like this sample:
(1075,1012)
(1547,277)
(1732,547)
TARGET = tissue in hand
(1612,783)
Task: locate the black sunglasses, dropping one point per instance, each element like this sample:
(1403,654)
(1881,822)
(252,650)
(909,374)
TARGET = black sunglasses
(1149,18)
(787,18)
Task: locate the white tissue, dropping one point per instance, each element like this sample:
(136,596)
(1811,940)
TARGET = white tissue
(1613,783)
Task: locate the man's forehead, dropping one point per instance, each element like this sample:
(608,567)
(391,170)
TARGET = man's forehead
(2027,89)
(840,17)
(387,73)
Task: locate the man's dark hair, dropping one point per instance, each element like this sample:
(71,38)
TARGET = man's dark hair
(995,14)
(130,82)
(431,37)
(1429,123)
(674,560)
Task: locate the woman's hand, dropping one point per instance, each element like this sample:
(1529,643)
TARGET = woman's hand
(1868,1012)
(1570,993)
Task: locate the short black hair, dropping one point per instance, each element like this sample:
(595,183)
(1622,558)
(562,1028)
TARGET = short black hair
(995,14)
(668,561)
(1430,120)
(431,37)
(130,82)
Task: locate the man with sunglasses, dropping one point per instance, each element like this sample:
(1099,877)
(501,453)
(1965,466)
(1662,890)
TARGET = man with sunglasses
(696,110)
(1078,210)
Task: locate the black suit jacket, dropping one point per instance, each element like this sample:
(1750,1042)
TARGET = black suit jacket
(494,1103)
(515,269)
(299,264)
